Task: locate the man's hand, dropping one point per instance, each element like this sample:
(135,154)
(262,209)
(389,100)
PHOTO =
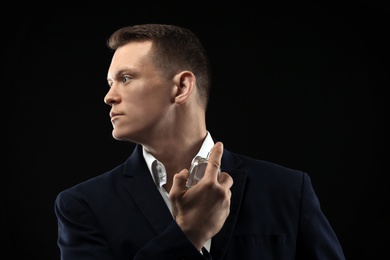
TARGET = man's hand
(201,210)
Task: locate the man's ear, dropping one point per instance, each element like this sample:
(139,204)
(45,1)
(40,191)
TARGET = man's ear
(185,85)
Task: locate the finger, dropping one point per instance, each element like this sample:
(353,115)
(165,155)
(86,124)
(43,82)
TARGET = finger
(179,183)
(214,161)
(226,180)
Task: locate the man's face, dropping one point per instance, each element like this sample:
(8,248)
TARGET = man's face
(139,96)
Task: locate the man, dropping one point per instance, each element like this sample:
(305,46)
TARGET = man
(242,208)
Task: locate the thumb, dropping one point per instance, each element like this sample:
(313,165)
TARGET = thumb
(179,184)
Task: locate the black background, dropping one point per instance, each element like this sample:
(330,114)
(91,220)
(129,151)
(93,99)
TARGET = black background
(303,85)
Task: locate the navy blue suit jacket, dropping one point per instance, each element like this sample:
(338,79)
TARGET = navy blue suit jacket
(275,214)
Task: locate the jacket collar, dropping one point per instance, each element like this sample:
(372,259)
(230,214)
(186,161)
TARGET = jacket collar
(142,189)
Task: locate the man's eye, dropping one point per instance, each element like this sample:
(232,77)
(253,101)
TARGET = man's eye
(125,79)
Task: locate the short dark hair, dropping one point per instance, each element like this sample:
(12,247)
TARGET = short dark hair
(175,49)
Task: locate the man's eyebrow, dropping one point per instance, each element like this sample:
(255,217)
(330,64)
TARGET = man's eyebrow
(120,72)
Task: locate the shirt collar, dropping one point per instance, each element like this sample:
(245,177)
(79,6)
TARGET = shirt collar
(157,169)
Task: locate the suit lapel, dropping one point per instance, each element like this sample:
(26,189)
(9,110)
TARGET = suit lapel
(220,241)
(142,189)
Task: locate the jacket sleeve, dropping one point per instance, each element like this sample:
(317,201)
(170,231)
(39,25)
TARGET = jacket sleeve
(316,238)
(79,237)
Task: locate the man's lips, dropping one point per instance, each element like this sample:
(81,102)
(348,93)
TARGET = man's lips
(114,114)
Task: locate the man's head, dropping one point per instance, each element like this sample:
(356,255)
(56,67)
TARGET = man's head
(174,49)
(159,84)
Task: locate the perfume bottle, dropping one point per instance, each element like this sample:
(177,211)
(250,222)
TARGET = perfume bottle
(197,170)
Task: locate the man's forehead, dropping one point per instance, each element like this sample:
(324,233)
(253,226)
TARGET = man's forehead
(133,49)
(128,57)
